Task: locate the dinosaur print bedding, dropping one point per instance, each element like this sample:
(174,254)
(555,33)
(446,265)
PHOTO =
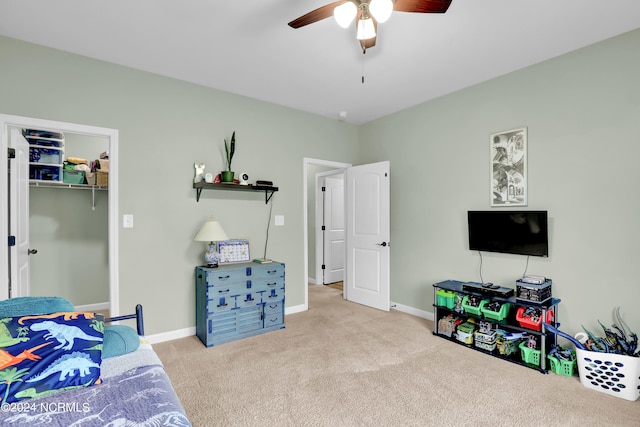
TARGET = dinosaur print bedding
(48,353)
(134,390)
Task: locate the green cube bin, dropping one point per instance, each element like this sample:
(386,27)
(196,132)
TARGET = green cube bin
(72,177)
(476,311)
(445,298)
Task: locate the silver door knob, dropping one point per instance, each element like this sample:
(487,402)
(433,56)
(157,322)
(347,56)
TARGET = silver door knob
(32,251)
(383,244)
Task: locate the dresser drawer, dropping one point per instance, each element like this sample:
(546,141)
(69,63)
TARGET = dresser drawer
(263,271)
(273,307)
(226,276)
(221,304)
(248,299)
(269,283)
(249,318)
(225,291)
(222,325)
(273,319)
(271,295)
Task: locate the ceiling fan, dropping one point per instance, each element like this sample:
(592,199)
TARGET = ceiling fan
(368,14)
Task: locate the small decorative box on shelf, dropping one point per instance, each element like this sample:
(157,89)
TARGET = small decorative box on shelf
(532,292)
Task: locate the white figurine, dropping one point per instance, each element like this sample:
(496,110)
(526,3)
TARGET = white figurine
(199,172)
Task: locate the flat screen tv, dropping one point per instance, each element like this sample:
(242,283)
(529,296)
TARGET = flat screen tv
(511,232)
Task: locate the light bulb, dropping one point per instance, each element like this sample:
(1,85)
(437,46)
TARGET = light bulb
(381,10)
(345,13)
(366,30)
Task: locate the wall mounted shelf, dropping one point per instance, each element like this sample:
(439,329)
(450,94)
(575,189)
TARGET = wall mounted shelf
(268,191)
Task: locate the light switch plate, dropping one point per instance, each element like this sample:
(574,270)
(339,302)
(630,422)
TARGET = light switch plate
(127,221)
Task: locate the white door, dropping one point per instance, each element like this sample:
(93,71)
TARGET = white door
(334,243)
(19,215)
(368,234)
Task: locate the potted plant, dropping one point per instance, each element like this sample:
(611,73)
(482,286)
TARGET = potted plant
(230,149)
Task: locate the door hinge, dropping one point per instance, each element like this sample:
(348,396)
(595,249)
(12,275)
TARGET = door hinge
(324,188)
(323,266)
(11,153)
(324,228)
(12,240)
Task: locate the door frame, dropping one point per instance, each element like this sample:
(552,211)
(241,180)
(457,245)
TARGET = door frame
(320,201)
(306,163)
(9,121)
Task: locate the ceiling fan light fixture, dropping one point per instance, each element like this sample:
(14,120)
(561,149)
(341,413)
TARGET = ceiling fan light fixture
(366,29)
(345,13)
(381,10)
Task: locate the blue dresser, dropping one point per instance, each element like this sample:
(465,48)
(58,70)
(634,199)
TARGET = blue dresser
(236,301)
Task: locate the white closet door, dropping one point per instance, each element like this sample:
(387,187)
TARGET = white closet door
(19,215)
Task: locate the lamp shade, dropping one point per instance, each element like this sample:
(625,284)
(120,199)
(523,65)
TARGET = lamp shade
(211,231)
(366,29)
(345,13)
(381,10)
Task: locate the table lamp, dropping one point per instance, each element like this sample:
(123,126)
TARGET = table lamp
(211,231)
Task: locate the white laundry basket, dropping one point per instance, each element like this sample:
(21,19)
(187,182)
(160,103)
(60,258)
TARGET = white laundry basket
(613,374)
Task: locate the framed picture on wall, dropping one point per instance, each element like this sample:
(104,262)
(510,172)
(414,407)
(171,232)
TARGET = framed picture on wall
(509,167)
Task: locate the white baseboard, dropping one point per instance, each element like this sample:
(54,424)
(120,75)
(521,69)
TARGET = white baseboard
(171,335)
(312,281)
(295,309)
(413,311)
(93,307)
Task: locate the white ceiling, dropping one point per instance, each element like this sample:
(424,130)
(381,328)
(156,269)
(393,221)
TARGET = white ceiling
(246,47)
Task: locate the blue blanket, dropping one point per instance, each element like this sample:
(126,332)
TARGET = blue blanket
(135,391)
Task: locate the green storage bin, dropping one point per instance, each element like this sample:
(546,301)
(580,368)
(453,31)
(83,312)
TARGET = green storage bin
(563,367)
(499,315)
(468,308)
(529,355)
(72,176)
(446,298)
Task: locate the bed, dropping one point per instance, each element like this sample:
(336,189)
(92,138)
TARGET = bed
(41,386)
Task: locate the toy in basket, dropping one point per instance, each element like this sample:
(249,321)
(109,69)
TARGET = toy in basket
(614,374)
(562,361)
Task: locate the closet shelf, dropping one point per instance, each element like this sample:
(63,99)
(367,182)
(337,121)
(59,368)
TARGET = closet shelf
(56,184)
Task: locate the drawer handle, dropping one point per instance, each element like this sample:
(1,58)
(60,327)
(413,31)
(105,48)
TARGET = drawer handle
(223,305)
(273,296)
(223,277)
(223,291)
(272,284)
(273,305)
(272,271)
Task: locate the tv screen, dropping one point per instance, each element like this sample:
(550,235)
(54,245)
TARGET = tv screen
(511,232)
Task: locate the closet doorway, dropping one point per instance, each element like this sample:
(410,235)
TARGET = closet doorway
(16,220)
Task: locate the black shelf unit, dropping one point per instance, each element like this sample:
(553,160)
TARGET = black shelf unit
(268,191)
(509,323)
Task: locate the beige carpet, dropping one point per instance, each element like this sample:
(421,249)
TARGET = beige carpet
(342,364)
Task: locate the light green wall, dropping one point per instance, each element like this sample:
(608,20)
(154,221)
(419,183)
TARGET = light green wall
(581,110)
(164,127)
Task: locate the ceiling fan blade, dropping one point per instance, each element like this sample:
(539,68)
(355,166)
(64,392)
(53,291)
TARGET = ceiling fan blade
(422,6)
(316,15)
